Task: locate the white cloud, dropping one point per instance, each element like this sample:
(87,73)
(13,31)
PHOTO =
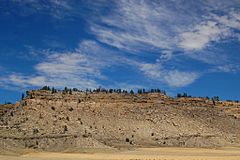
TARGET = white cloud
(151,70)
(80,68)
(165,56)
(20,80)
(56,8)
(67,63)
(202,35)
(172,26)
(23,82)
(210,31)
(231,20)
(137,25)
(173,78)
(17,79)
(209,57)
(229,68)
(165,28)
(179,79)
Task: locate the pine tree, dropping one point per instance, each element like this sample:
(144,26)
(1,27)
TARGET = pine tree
(185,95)
(53,90)
(139,91)
(110,90)
(179,95)
(131,92)
(23,96)
(44,88)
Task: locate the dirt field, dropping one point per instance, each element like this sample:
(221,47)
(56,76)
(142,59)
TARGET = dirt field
(139,154)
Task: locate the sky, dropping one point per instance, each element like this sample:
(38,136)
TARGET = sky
(179,46)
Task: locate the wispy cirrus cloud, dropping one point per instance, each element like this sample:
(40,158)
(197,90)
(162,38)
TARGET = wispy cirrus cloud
(55,8)
(143,25)
(228,68)
(167,28)
(231,20)
(74,69)
(202,35)
(171,77)
(83,68)
(153,71)
(177,78)
(170,30)
(137,25)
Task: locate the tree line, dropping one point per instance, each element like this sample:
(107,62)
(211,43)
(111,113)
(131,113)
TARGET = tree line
(67,90)
(103,90)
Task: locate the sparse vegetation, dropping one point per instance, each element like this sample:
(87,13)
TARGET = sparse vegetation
(67,118)
(35,131)
(75,90)
(46,88)
(140,91)
(65,128)
(185,95)
(130,116)
(131,92)
(70,91)
(23,96)
(103,90)
(54,90)
(216,98)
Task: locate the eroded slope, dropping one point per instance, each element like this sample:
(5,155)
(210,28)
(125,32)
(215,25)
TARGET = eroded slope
(101,120)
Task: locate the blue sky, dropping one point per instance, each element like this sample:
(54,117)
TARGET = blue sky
(181,46)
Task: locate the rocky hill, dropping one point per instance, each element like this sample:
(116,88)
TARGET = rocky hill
(67,122)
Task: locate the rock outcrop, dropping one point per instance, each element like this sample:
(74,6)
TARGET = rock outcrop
(65,122)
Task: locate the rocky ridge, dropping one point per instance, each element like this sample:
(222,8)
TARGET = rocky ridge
(66,122)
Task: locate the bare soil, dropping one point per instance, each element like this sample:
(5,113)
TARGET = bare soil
(230,153)
(62,122)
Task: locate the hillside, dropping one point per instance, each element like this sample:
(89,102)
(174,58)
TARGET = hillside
(68,122)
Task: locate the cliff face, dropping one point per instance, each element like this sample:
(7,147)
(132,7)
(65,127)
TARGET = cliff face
(57,122)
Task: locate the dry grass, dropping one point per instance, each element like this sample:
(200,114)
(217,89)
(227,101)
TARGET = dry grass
(139,154)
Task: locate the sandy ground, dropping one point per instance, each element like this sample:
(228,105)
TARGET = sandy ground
(138,154)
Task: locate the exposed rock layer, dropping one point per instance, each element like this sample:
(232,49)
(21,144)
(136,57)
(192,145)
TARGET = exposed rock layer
(60,122)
